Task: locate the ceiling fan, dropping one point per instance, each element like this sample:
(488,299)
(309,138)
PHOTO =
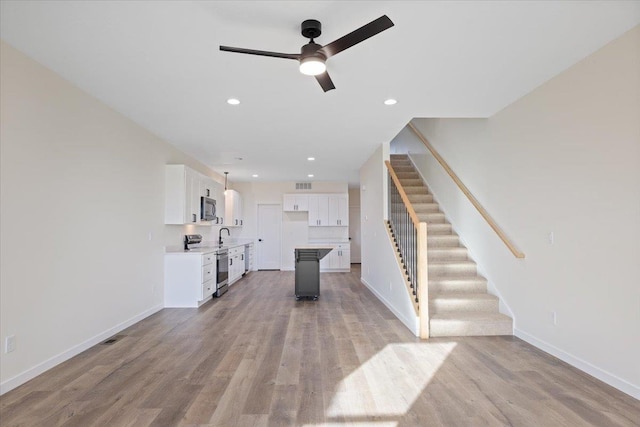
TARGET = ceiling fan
(312,56)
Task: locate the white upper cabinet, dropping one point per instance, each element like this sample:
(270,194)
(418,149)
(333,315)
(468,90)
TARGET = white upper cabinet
(184,188)
(339,210)
(182,195)
(221,214)
(233,201)
(208,188)
(328,210)
(296,203)
(318,210)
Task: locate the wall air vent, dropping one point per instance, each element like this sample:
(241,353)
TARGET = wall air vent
(303,186)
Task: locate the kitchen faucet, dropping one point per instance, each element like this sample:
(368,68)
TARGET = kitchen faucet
(220,235)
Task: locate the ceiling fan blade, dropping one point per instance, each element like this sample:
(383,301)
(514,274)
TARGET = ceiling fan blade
(295,56)
(361,34)
(325,81)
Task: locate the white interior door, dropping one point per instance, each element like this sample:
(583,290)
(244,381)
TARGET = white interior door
(269,236)
(354,233)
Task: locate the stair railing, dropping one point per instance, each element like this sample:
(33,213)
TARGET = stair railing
(410,236)
(483,212)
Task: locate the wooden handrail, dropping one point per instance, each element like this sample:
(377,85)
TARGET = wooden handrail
(467,193)
(403,195)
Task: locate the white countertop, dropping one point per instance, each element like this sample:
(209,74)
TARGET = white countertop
(203,249)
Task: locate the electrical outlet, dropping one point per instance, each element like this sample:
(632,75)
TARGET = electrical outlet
(10,344)
(554,318)
(551,238)
(150,236)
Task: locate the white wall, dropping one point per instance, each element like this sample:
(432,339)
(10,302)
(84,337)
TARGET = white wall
(295,225)
(82,189)
(563,159)
(380,270)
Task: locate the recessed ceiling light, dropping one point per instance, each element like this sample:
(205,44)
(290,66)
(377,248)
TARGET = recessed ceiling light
(311,159)
(233,101)
(390,101)
(310,175)
(255,175)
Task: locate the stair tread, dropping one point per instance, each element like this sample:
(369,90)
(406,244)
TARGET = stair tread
(471,316)
(454,278)
(460,295)
(453,261)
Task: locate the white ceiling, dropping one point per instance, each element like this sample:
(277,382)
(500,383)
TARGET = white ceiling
(158,63)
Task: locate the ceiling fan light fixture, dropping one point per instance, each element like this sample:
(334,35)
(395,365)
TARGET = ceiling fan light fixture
(312,66)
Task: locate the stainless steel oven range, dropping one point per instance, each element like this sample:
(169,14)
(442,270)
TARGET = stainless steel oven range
(222,272)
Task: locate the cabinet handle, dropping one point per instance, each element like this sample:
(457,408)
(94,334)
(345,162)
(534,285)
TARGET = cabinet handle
(208,194)
(230,261)
(194,217)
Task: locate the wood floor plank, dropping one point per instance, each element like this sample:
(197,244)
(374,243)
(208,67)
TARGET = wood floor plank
(258,357)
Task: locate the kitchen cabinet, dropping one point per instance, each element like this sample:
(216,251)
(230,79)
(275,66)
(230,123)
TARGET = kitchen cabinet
(233,209)
(214,190)
(248,257)
(295,203)
(339,259)
(318,210)
(236,263)
(221,213)
(183,189)
(208,187)
(189,278)
(182,195)
(328,210)
(339,210)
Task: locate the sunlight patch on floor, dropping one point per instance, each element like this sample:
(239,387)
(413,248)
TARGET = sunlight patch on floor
(388,383)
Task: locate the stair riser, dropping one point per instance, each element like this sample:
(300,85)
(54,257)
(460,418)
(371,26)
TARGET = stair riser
(420,198)
(432,218)
(463,305)
(438,229)
(421,208)
(466,328)
(434,242)
(425,207)
(451,269)
(398,169)
(454,287)
(452,254)
(415,190)
(414,182)
(407,175)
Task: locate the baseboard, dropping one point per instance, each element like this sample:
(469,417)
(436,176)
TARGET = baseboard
(412,324)
(33,372)
(594,371)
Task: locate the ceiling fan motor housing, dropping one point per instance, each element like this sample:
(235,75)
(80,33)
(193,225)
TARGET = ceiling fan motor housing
(312,50)
(311,28)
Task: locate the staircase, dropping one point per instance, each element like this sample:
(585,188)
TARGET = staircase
(459,304)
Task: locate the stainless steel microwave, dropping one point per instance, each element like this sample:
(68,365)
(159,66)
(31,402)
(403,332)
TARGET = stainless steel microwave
(207,209)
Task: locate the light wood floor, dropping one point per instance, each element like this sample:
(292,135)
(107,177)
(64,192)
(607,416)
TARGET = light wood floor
(256,357)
